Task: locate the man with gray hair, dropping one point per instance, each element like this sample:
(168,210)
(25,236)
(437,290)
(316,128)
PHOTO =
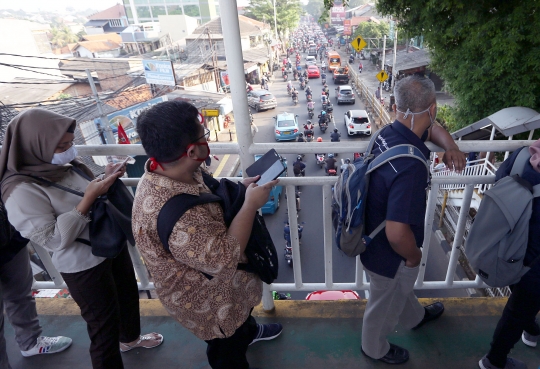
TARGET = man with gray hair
(397,195)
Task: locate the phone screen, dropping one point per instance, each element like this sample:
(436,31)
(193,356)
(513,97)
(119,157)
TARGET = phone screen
(122,165)
(269,167)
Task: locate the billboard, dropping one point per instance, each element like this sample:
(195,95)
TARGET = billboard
(159,72)
(347,27)
(128,119)
(337,13)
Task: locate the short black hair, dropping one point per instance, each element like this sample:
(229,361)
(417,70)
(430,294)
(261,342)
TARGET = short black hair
(167,128)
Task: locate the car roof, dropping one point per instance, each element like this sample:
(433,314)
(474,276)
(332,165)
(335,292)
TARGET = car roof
(345,87)
(285,115)
(261,92)
(358,113)
(312,67)
(310,57)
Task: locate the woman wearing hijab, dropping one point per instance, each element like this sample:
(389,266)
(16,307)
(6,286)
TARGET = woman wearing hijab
(39,143)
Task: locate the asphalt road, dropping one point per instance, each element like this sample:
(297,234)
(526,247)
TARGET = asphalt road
(311,248)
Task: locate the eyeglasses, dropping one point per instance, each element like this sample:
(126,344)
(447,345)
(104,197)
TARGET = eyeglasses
(64,147)
(205,135)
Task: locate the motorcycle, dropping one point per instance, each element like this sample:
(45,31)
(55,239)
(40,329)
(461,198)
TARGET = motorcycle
(309,97)
(320,159)
(285,76)
(288,255)
(310,113)
(323,81)
(302,85)
(308,136)
(323,127)
(280,295)
(295,100)
(351,59)
(332,172)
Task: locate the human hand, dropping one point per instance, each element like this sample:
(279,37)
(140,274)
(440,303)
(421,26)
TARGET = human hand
(247,181)
(112,167)
(455,159)
(257,196)
(99,186)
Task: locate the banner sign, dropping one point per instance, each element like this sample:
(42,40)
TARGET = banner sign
(159,72)
(337,13)
(347,27)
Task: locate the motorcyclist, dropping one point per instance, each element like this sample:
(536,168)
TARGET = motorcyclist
(324,98)
(323,76)
(289,86)
(326,90)
(298,167)
(360,67)
(330,163)
(305,75)
(344,165)
(294,94)
(322,118)
(310,106)
(300,138)
(323,65)
(308,90)
(308,125)
(287,232)
(335,136)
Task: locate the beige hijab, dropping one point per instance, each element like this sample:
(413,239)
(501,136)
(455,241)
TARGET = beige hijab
(28,148)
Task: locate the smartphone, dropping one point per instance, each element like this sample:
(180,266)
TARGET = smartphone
(269,167)
(122,165)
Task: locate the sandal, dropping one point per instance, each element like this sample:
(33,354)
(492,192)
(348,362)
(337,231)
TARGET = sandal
(143,342)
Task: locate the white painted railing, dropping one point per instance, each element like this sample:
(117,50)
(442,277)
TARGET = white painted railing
(359,283)
(476,168)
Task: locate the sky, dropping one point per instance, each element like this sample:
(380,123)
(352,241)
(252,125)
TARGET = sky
(58,5)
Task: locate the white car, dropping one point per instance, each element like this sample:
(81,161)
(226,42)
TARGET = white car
(311,60)
(357,123)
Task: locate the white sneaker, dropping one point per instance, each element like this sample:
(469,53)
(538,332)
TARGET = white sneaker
(48,345)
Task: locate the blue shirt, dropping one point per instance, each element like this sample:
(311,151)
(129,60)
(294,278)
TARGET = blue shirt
(533,177)
(397,192)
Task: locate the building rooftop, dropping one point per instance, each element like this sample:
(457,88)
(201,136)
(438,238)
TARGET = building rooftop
(248,27)
(114,12)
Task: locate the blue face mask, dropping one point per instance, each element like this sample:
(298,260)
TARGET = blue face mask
(65,157)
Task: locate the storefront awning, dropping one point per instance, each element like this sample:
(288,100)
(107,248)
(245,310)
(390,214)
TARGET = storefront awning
(249,67)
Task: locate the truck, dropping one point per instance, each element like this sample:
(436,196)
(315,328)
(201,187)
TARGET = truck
(341,75)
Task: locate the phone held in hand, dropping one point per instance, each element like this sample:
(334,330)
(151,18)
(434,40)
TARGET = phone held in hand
(269,167)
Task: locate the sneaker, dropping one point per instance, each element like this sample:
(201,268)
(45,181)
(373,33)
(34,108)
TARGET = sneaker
(267,332)
(48,345)
(484,363)
(395,355)
(529,339)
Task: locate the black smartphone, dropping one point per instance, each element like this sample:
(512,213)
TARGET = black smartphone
(269,167)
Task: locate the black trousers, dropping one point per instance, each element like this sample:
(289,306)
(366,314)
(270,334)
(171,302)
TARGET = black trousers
(109,300)
(230,352)
(518,316)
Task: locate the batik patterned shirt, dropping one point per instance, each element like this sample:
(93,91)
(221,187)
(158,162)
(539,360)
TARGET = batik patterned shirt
(197,282)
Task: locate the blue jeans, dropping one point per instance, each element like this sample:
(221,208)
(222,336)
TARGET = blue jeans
(518,316)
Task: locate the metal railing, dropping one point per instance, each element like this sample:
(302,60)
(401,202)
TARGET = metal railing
(326,183)
(476,168)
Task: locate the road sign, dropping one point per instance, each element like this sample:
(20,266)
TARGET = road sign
(210,112)
(382,76)
(358,43)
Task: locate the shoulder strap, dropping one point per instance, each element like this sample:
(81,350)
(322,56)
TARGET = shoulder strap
(42,180)
(173,210)
(399,151)
(81,173)
(520,162)
(373,139)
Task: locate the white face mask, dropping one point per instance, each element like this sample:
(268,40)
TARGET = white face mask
(409,112)
(65,157)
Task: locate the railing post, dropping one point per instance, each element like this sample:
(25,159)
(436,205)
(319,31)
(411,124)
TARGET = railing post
(428,231)
(328,233)
(460,230)
(46,259)
(267,299)
(295,244)
(138,265)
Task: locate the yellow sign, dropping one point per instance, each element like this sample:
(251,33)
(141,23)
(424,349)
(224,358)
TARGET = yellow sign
(210,112)
(382,76)
(358,43)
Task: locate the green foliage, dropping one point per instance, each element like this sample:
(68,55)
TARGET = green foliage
(63,96)
(372,30)
(287,13)
(446,117)
(315,8)
(488,52)
(61,35)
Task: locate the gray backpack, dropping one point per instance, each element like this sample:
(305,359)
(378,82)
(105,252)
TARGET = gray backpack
(498,238)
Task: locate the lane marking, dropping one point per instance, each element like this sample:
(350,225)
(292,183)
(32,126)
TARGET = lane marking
(221,165)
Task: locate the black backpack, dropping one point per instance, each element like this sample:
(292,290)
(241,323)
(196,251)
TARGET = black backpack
(260,251)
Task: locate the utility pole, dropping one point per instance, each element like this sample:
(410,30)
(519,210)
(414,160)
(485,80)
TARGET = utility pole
(275,20)
(109,136)
(382,68)
(214,61)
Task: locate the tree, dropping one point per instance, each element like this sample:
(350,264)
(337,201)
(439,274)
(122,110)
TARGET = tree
(315,8)
(62,35)
(287,13)
(372,30)
(487,52)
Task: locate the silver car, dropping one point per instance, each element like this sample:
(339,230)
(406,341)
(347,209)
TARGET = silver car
(261,100)
(345,94)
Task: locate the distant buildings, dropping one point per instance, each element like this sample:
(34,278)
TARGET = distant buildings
(142,11)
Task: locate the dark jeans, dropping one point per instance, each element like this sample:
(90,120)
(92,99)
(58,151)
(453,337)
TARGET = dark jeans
(518,316)
(109,300)
(230,352)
